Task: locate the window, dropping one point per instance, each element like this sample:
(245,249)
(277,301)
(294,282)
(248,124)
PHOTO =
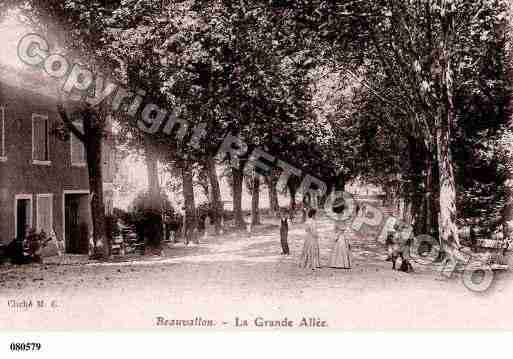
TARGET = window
(78,153)
(3,155)
(44,213)
(40,140)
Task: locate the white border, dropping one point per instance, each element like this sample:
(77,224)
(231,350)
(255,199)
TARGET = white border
(257,345)
(3,155)
(64,193)
(43,195)
(16,198)
(34,161)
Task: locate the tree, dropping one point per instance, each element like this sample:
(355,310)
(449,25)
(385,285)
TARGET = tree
(423,52)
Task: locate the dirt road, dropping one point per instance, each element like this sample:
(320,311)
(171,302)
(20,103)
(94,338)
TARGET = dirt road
(239,279)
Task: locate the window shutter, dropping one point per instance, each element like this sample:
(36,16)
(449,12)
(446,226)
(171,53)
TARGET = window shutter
(78,153)
(44,212)
(40,128)
(2,132)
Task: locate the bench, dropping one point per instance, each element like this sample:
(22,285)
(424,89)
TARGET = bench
(118,246)
(493,243)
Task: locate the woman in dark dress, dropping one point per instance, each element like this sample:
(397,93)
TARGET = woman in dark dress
(284,232)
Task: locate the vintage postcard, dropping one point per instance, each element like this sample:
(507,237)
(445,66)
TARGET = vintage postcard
(255,165)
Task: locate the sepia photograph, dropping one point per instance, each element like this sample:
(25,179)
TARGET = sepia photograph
(243,165)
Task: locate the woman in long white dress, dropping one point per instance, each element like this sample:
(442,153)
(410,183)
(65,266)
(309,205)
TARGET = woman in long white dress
(310,256)
(341,253)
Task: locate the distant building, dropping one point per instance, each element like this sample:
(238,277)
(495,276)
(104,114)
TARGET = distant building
(44,179)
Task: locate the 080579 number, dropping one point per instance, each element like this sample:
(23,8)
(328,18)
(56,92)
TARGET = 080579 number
(25,347)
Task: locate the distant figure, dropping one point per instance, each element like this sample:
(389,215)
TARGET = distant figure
(392,247)
(249,225)
(405,265)
(304,213)
(91,247)
(51,246)
(363,210)
(398,251)
(16,253)
(34,244)
(185,230)
(59,241)
(208,222)
(341,253)
(292,212)
(195,236)
(310,257)
(284,232)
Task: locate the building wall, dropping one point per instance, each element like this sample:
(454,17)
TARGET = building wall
(18,175)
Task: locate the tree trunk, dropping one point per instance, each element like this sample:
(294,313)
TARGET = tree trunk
(190,207)
(406,215)
(448,229)
(238,178)
(418,208)
(93,145)
(507,211)
(386,199)
(401,208)
(420,189)
(255,200)
(153,232)
(274,204)
(340,182)
(292,199)
(444,122)
(217,205)
(432,195)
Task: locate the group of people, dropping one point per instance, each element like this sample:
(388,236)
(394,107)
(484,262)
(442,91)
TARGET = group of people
(32,247)
(340,256)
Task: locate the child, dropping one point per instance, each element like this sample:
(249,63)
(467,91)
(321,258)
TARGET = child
(59,242)
(284,232)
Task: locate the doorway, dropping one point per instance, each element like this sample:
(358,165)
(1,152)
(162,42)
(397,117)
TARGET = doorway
(23,215)
(77,223)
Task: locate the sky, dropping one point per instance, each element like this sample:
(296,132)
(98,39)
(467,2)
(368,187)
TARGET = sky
(11,31)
